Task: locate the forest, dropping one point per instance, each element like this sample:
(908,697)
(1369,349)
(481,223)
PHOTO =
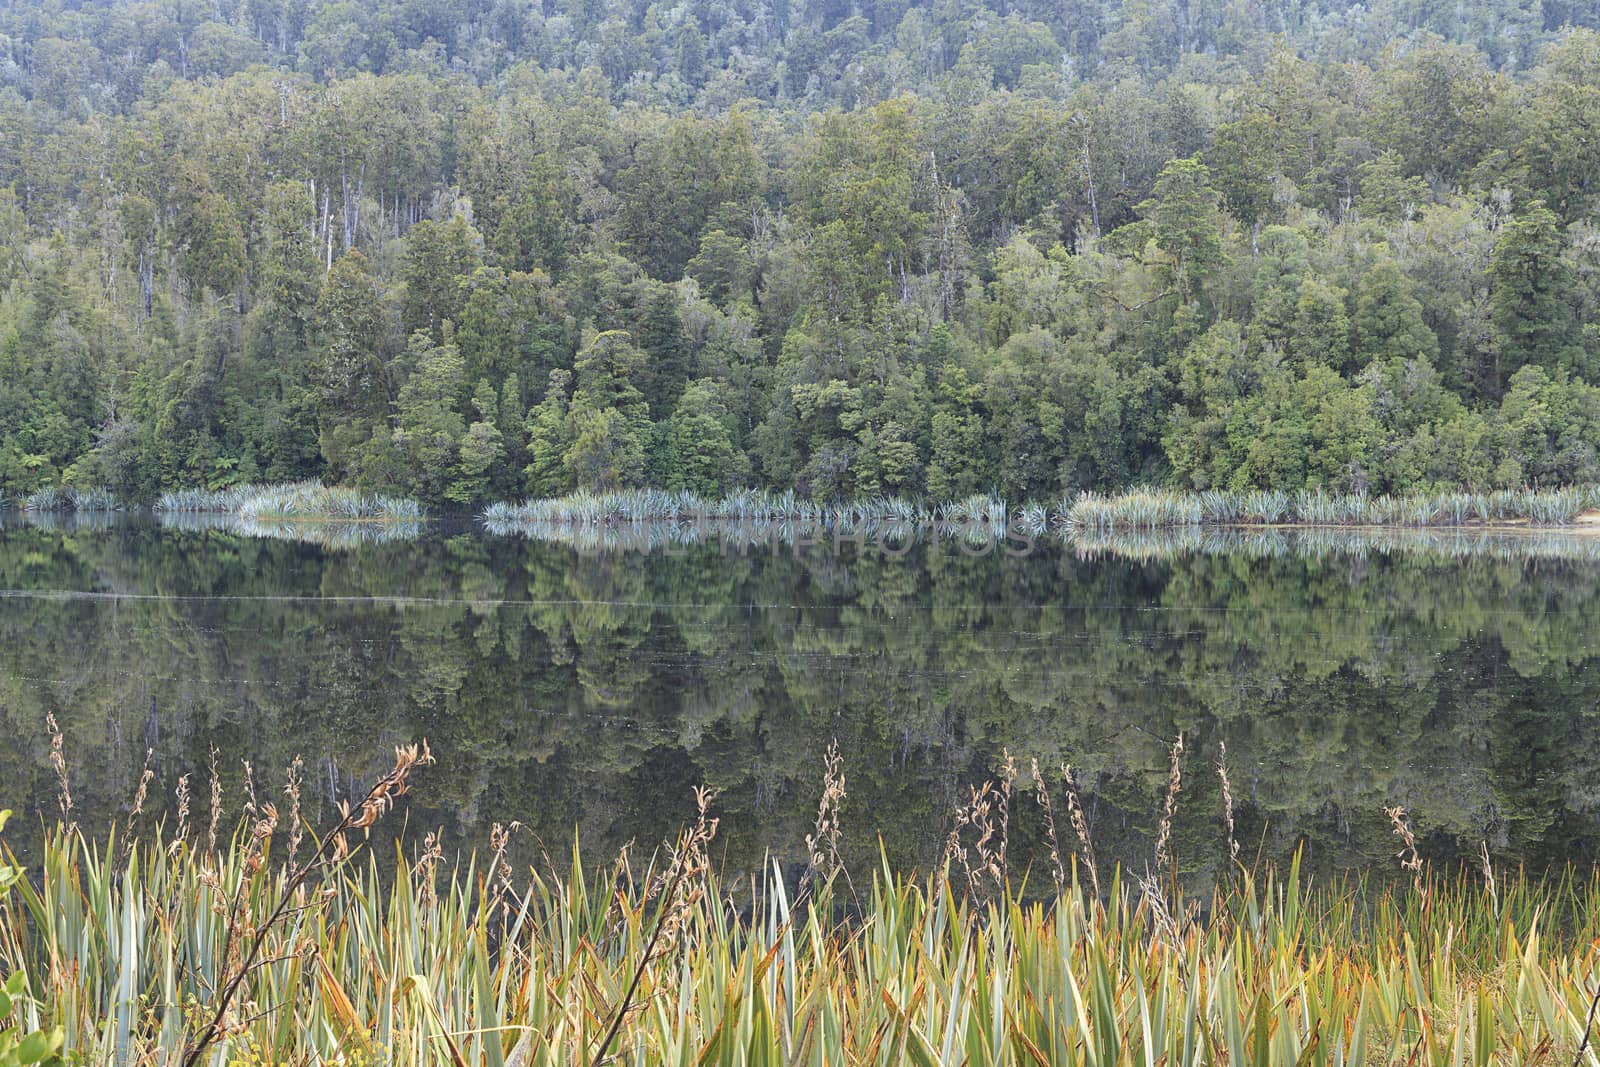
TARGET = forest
(472,251)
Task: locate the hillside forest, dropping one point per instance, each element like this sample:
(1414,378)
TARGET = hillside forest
(472,250)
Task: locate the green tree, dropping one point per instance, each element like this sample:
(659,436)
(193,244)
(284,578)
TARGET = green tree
(722,267)
(1566,100)
(1186,224)
(348,364)
(1215,376)
(1321,331)
(439,257)
(537,230)
(211,241)
(1388,323)
(609,421)
(549,433)
(481,450)
(706,459)
(957,463)
(429,426)
(512,325)
(1387,192)
(1533,323)
(1245,155)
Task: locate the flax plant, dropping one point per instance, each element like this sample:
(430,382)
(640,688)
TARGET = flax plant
(453,962)
(296,502)
(645,517)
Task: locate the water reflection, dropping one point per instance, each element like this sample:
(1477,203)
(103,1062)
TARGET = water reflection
(594,688)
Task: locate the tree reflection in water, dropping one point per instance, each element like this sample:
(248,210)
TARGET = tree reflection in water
(588,688)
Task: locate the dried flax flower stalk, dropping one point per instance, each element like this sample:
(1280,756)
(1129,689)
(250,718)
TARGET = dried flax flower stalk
(954,852)
(1227,800)
(1080,826)
(58,763)
(1008,776)
(976,813)
(215,814)
(125,846)
(682,886)
(182,796)
(1488,874)
(822,846)
(1042,794)
(499,870)
(687,877)
(291,789)
(1410,858)
(425,870)
(1170,808)
(381,797)
(250,806)
(1166,926)
(143,790)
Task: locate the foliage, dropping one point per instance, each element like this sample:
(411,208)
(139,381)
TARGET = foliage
(475,963)
(67,499)
(19,1010)
(298,502)
(457,255)
(1142,508)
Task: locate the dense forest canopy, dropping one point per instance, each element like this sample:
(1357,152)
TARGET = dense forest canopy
(474,250)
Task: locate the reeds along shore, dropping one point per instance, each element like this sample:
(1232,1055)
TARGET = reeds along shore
(182,945)
(63,499)
(293,502)
(290,502)
(1136,509)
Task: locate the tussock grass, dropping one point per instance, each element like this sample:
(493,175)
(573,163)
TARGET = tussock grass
(1438,543)
(329,533)
(1143,508)
(294,502)
(1137,509)
(204,501)
(1443,543)
(48,499)
(95,499)
(283,947)
(65,500)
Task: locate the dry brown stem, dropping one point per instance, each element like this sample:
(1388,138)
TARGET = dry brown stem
(1227,800)
(1057,871)
(1170,808)
(822,846)
(58,762)
(1080,826)
(1410,858)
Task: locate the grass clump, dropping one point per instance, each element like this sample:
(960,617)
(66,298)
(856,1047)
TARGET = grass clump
(63,500)
(328,533)
(1142,508)
(278,946)
(313,501)
(294,502)
(205,501)
(1136,509)
(48,499)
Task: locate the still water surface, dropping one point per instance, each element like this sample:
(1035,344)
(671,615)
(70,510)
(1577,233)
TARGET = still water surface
(589,691)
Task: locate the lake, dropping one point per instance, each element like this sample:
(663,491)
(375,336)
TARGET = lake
(586,686)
